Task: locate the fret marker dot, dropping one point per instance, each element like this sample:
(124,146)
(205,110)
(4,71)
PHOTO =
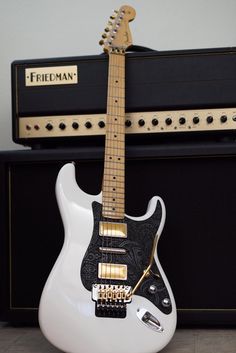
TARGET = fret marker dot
(115,135)
(110,157)
(119,159)
(113,208)
(113,199)
(114,189)
(114,177)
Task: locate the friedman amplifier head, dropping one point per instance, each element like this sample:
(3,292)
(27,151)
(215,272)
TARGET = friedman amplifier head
(172,94)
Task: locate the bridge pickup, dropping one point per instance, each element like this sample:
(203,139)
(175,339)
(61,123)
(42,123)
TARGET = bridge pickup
(112,271)
(113,229)
(116,251)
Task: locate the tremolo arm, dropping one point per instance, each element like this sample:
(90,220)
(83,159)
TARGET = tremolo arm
(148,270)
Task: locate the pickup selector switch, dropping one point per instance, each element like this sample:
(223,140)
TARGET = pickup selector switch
(49,126)
(141,122)
(209,119)
(168,121)
(182,120)
(128,123)
(154,122)
(223,118)
(62,126)
(88,125)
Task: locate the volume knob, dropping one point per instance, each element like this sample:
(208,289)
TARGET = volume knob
(209,119)
(62,126)
(88,125)
(168,121)
(101,124)
(49,126)
(141,122)
(128,123)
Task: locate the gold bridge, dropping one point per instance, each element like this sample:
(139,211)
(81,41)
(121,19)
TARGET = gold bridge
(111,293)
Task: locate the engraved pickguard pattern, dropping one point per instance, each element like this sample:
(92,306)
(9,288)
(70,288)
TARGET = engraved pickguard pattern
(138,244)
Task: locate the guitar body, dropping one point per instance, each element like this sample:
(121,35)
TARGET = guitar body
(67,311)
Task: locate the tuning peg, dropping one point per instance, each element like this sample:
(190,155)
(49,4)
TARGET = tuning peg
(107,29)
(110,23)
(116,11)
(112,17)
(104,35)
(101,42)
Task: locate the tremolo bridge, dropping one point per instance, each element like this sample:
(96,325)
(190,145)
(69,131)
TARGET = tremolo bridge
(111,300)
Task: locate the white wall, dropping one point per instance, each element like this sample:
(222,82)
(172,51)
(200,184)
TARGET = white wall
(54,28)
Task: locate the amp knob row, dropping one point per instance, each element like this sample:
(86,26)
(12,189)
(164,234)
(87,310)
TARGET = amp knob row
(182,121)
(75,125)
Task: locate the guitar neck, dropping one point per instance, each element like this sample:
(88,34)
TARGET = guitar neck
(113,201)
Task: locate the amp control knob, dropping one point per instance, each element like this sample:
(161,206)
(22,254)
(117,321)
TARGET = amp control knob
(141,122)
(62,126)
(128,123)
(168,121)
(101,124)
(209,119)
(182,120)
(154,122)
(88,125)
(196,120)
(223,118)
(75,125)
(49,126)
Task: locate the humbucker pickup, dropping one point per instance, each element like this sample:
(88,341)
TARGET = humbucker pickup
(113,229)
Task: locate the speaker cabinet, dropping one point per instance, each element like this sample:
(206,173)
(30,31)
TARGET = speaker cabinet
(196,249)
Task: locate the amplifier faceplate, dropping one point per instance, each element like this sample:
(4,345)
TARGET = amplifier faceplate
(136,123)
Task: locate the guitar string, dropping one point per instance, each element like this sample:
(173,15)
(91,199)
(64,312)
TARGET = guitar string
(113,113)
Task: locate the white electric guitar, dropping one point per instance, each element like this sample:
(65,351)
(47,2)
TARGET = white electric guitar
(107,292)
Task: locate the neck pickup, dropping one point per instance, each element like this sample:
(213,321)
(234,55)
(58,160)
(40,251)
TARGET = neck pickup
(112,229)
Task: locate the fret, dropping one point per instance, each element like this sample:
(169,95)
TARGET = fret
(115,115)
(110,189)
(112,182)
(115,169)
(117,149)
(113,197)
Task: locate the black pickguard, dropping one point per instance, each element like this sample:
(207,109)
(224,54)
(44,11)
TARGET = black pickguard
(138,244)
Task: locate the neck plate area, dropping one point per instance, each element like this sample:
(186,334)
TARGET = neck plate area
(113,190)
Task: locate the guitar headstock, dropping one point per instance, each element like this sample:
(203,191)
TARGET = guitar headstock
(117,36)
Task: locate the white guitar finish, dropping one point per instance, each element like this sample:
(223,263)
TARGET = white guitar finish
(67,312)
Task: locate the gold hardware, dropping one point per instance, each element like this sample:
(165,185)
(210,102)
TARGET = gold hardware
(53,75)
(112,271)
(101,42)
(107,29)
(147,271)
(112,229)
(104,35)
